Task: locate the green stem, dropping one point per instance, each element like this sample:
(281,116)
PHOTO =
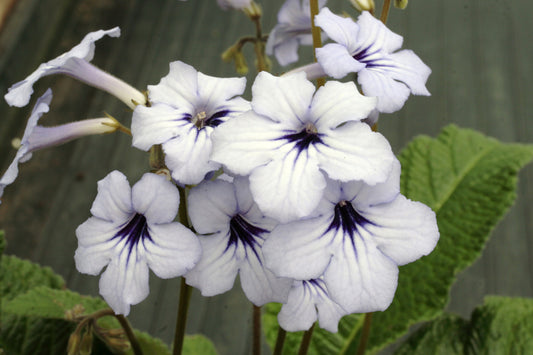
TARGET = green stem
(385,11)
(315,31)
(183,307)
(364,335)
(257,330)
(280,340)
(136,347)
(306,341)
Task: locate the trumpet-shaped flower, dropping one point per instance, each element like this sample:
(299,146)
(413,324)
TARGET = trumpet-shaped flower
(369,48)
(293,138)
(293,29)
(75,63)
(186,108)
(37,137)
(233,232)
(308,301)
(358,238)
(132,230)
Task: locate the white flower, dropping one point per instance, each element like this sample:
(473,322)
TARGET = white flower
(295,137)
(38,137)
(186,107)
(233,231)
(368,48)
(75,63)
(293,29)
(309,300)
(132,230)
(357,240)
(234,4)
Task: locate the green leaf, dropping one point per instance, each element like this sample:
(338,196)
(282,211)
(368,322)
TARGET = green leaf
(198,344)
(45,302)
(151,345)
(469,180)
(18,276)
(501,326)
(2,243)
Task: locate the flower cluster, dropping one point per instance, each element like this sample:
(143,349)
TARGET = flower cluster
(293,190)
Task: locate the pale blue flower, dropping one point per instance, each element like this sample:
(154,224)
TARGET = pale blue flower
(293,138)
(186,108)
(370,49)
(358,237)
(37,137)
(292,30)
(131,231)
(234,4)
(232,232)
(75,63)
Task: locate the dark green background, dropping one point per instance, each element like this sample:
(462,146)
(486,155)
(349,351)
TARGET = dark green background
(480,52)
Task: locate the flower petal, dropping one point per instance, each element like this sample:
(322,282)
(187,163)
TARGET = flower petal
(216,271)
(360,278)
(283,99)
(156,124)
(374,35)
(299,250)
(156,198)
(246,142)
(289,187)
(211,206)
(259,284)
(123,284)
(409,69)
(341,30)
(354,152)
(391,94)
(214,91)
(188,155)
(336,103)
(95,245)
(403,230)
(113,201)
(172,251)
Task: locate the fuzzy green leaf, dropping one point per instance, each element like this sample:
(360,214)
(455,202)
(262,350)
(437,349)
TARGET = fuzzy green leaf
(501,326)
(18,276)
(198,344)
(469,180)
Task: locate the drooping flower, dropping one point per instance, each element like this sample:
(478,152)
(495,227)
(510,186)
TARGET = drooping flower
(308,301)
(37,137)
(233,231)
(359,237)
(186,107)
(370,49)
(293,29)
(132,230)
(293,138)
(75,63)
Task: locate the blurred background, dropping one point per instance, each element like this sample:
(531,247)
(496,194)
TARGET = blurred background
(480,52)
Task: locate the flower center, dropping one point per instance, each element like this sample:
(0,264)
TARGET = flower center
(135,231)
(244,232)
(303,139)
(347,219)
(201,120)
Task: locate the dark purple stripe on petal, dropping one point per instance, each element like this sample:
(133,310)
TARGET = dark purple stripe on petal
(216,119)
(247,234)
(348,220)
(135,231)
(303,139)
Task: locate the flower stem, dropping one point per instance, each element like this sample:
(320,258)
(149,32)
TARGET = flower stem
(306,341)
(136,347)
(364,336)
(183,307)
(385,11)
(280,340)
(257,330)
(315,31)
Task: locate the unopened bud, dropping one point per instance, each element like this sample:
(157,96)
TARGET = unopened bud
(253,10)
(86,344)
(73,344)
(363,5)
(400,4)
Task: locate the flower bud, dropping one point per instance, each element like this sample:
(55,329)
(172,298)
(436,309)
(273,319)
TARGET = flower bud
(363,5)
(400,4)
